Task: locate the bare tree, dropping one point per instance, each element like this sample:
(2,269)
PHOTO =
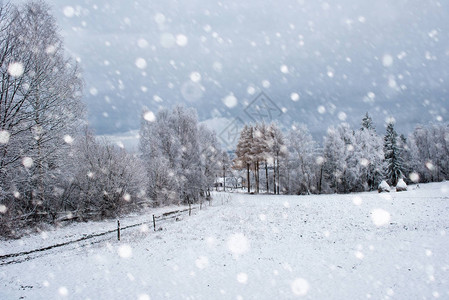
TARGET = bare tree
(40,93)
(278,152)
(302,162)
(180,156)
(244,158)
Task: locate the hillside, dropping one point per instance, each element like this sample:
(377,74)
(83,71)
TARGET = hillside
(356,246)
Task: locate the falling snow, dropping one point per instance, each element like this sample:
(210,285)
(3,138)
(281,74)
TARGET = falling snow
(4,136)
(294,96)
(300,287)
(15,69)
(380,217)
(141,63)
(149,116)
(238,244)
(68,139)
(27,162)
(69,11)
(125,251)
(320,63)
(387,60)
(284,69)
(230,101)
(195,77)
(202,262)
(181,40)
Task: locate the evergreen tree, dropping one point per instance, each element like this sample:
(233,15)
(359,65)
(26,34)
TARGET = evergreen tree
(393,160)
(367,123)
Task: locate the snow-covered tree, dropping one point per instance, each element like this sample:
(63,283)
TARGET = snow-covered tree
(212,159)
(302,161)
(278,151)
(369,155)
(392,151)
(428,148)
(261,149)
(107,181)
(340,167)
(180,156)
(224,163)
(40,109)
(160,152)
(367,123)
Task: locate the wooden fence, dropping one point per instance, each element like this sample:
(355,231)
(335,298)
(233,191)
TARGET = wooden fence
(11,257)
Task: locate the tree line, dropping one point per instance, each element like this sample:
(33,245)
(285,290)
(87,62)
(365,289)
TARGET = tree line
(51,165)
(349,161)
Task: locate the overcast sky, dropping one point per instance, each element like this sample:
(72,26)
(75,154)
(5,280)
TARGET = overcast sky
(319,63)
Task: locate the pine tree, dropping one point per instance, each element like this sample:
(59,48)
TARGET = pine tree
(367,123)
(392,151)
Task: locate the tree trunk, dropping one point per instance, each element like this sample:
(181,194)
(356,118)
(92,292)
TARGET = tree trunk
(277,175)
(247,178)
(266,176)
(321,179)
(224,179)
(274,177)
(257,177)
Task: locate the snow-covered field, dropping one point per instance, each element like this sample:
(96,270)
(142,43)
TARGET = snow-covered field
(357,246)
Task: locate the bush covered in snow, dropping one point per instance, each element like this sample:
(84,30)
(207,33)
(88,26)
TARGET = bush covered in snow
(401,186)
(383,187)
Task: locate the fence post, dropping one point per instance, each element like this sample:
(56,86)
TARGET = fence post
(118,230)
(154,223)
(190,209)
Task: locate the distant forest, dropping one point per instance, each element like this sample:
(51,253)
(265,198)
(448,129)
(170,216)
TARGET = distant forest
(350,161)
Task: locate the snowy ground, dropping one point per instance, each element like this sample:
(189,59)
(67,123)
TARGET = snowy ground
(356,246)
